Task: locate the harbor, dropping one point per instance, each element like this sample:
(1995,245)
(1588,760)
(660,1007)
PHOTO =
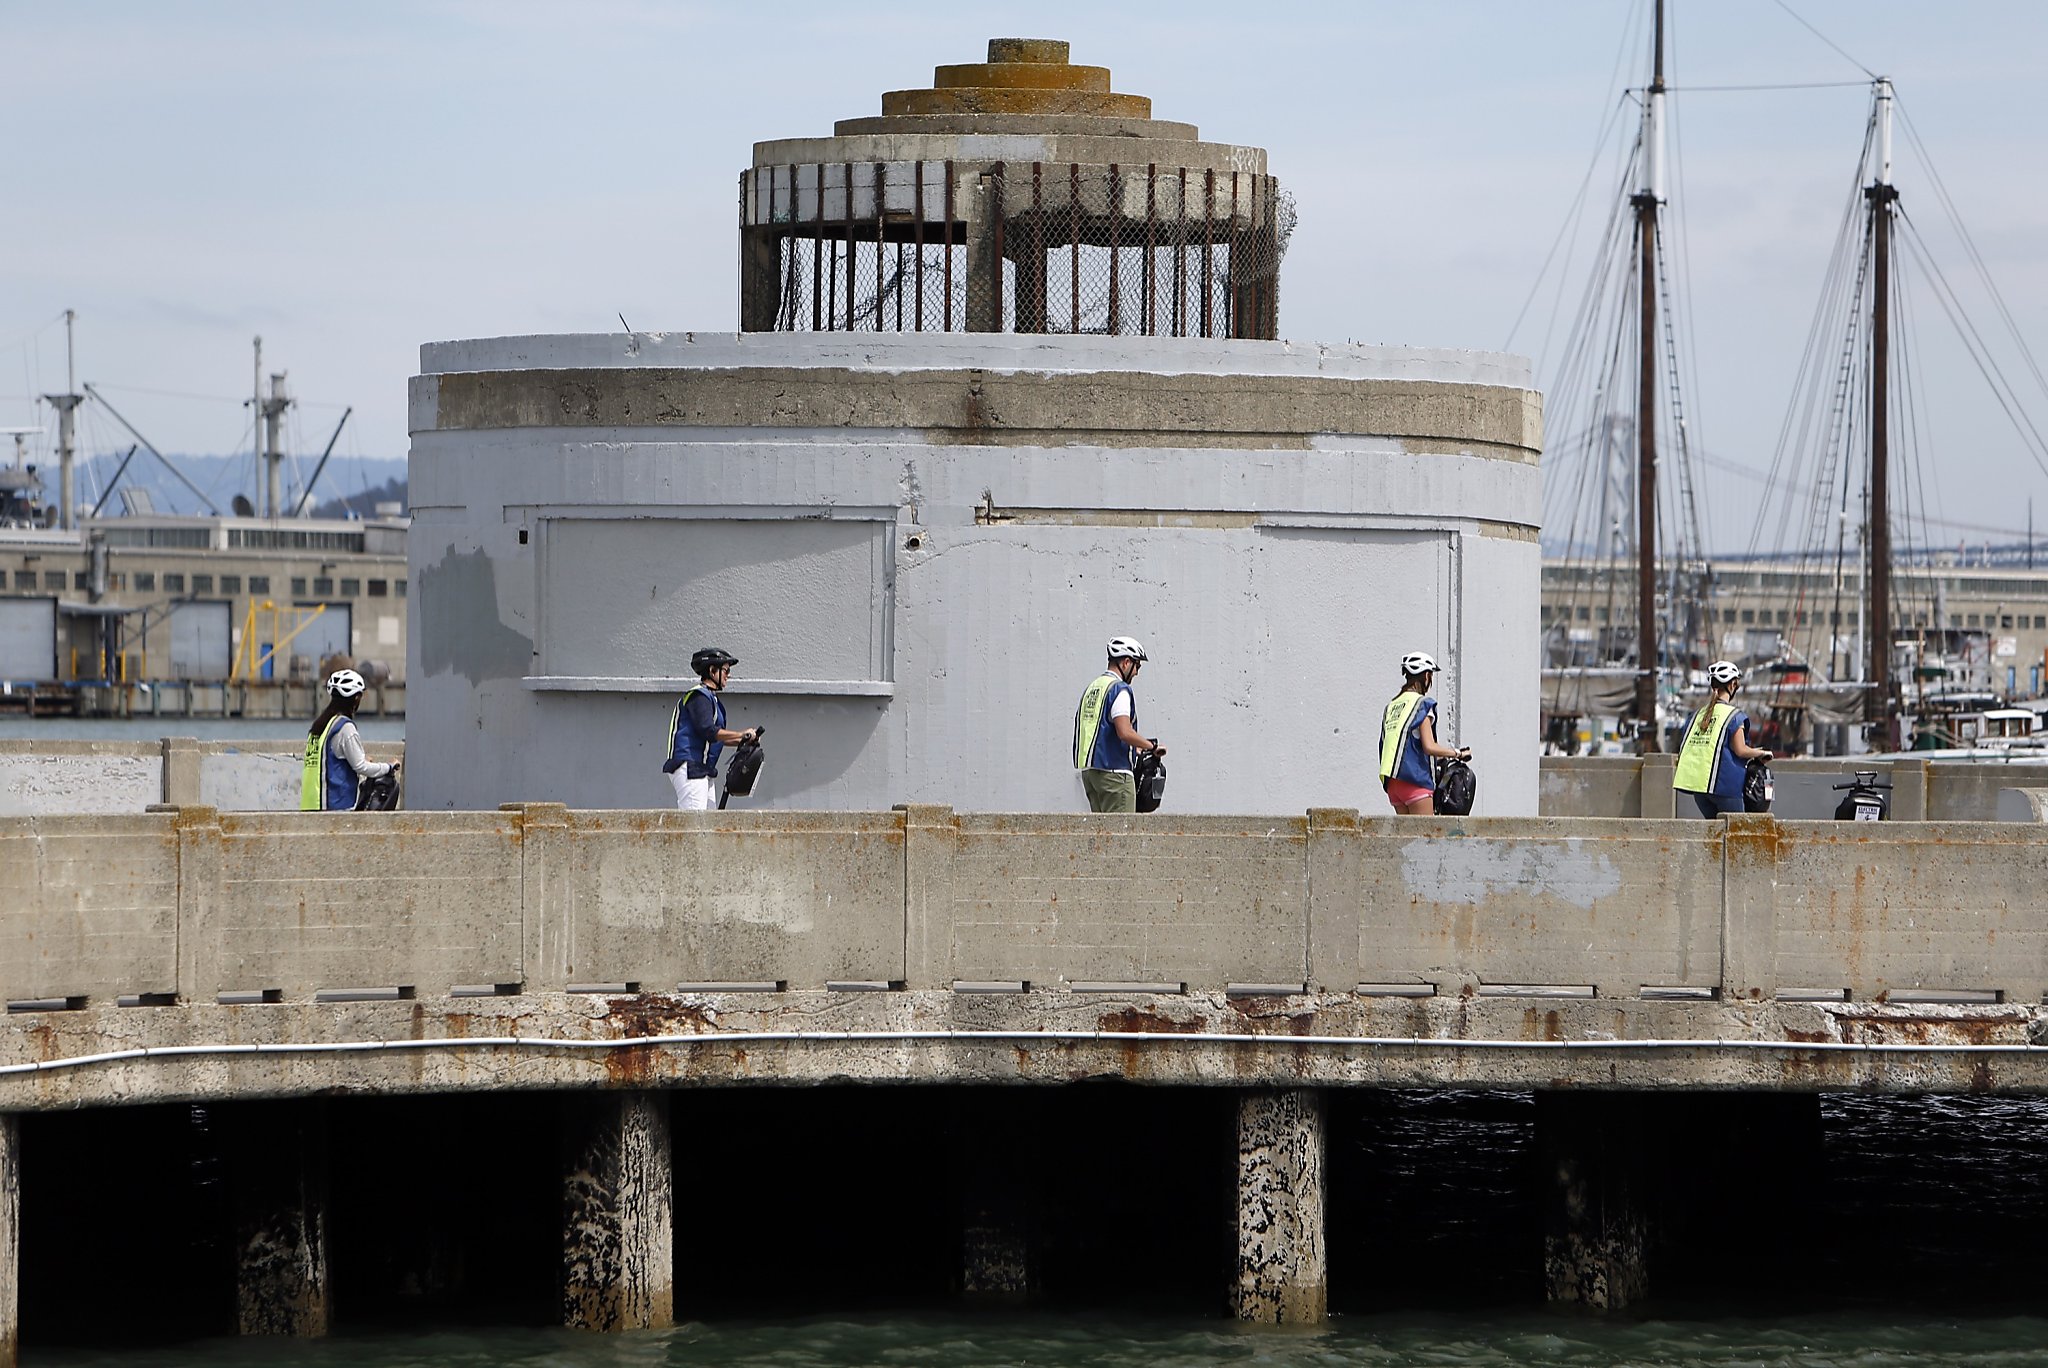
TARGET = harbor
(940,1025)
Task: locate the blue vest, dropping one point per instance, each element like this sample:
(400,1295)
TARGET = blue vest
(694,753)
(338,783)
(1410,764)
(1106,752)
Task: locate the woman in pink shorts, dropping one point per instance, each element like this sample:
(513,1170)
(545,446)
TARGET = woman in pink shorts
(1408,740)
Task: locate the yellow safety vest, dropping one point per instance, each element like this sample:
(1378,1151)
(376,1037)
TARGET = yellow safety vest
(1088,719)
(313,780)
(1699,758)
(1394,731)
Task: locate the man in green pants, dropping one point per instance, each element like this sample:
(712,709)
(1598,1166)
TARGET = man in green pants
(1106,732)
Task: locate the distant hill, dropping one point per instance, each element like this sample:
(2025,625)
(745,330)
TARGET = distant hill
(364,505)
(349,486)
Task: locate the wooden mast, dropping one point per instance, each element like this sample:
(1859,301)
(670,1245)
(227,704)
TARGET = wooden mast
(1646,201)
(1881,194)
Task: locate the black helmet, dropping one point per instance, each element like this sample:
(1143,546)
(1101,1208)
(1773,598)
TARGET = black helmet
(710,658)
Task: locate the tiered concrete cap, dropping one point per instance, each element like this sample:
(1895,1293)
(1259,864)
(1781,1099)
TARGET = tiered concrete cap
(1027,85)
(1021,76)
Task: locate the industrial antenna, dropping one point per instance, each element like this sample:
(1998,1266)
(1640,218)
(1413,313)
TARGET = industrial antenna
(266,417)
(66,405)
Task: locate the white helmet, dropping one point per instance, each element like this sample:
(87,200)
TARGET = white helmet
(345,684)
(1723,672)
(1126,648)
(1416,663)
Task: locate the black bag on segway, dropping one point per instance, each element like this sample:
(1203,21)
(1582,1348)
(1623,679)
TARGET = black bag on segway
(1758,789)
(1149,770)
(743,769)
(1456,788)
(379,794)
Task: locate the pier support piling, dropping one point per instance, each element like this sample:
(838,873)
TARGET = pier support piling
(10,1237)
(993,1173)
(1595,1231)
(279,1172)
(618,1212)
(1282,1275)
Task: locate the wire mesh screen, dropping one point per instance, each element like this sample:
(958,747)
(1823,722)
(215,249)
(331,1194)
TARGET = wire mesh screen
(1028,248)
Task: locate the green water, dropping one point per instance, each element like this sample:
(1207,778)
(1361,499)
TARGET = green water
(1082,1341)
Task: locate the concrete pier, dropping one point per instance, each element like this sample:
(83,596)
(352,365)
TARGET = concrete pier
(279,1172)
(1596,1224)
(618,1212)
(1282,1274)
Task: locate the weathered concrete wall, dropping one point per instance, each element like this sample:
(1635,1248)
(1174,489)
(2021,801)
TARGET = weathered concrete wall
(918,546)
(48,778)
(197,903)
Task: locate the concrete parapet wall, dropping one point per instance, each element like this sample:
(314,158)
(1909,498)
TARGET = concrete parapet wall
(192,904)
(1922,790)
(56,777)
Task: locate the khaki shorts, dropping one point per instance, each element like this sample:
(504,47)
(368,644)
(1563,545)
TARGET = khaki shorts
(1110,790)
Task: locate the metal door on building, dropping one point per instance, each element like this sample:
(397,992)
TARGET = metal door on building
(28,640)
(325,635)
(199,641)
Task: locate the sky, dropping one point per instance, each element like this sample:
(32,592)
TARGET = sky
(349,180)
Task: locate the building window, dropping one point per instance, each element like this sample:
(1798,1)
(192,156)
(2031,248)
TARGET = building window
(298,586)
(53,579)
(2005,621)
(259,584)
(174,584)
(1973,620)
(1800,617)
(323,585)
(1749,617)
(2040,620)
(1600,613)
(351,588)
(81,581)
(1781,617)
(231,584)
(382,589)
(399,585)
(1585,613)
(145,581)
(202,584)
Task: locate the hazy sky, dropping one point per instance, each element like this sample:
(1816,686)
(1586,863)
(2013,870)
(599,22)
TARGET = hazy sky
(352,179)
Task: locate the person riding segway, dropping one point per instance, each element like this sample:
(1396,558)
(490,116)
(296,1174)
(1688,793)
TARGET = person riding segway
(697,732)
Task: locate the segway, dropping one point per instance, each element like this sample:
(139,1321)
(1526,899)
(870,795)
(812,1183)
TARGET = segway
(1456,787)
(743,769)
(1149,773)
(380,794)
(1758,788)
(1866,801)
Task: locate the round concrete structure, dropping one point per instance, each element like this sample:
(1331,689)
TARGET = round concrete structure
(918,544)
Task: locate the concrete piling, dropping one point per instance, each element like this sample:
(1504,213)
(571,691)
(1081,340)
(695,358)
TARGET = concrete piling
(279,1173)
(618,1212)
(1282,1274)
(1596,1227)
(10,1237)
(993,1175)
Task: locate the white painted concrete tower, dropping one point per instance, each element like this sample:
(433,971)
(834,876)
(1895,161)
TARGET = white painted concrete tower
(1047,411)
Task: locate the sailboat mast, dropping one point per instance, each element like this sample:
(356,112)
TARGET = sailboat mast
(1878,615)
(1646,201)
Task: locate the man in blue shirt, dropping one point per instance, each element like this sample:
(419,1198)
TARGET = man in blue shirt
(1106,732)
(697,732)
